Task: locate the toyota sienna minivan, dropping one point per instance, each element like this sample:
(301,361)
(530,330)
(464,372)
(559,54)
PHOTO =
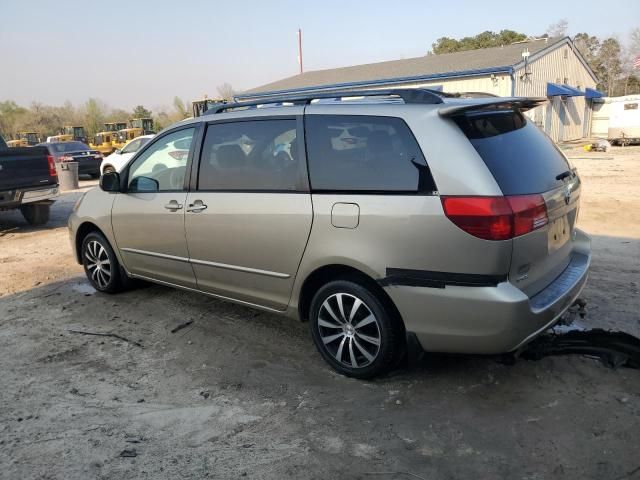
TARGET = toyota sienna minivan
(376,216)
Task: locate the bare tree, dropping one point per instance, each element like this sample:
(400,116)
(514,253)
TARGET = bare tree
(181,109)
(558,29)
(226,91)
(629,54)
(94,113)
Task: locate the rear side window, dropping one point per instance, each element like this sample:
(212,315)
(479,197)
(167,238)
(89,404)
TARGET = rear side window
(356,153)
(520,156)
(260,155)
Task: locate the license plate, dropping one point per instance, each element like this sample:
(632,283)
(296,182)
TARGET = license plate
(559,233)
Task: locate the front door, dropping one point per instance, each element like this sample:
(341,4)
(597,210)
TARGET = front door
(148,220)
(249,218)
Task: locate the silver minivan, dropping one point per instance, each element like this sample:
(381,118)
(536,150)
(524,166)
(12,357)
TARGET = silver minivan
(379,217)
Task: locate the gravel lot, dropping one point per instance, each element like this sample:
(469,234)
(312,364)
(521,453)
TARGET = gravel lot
(243,394)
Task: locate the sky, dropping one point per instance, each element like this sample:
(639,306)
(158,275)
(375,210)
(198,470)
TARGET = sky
(147,52)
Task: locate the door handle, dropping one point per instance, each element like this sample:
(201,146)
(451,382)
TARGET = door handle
(173,206)
(196,206)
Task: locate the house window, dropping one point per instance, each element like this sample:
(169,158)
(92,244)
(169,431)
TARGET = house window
(566,80)
(566,53)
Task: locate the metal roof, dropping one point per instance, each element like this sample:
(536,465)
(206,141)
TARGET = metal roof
(437,66)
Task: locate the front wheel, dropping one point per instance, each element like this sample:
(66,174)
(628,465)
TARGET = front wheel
(101,265)
(353,331)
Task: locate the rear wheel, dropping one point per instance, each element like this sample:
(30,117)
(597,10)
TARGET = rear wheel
(35,214)
(353,331)
(101,265)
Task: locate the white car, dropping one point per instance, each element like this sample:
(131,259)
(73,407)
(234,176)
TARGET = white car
(119,158)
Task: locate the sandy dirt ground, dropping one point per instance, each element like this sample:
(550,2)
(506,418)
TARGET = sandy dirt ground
(243,394)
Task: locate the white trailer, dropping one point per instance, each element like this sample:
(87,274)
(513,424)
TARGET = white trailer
(624,120)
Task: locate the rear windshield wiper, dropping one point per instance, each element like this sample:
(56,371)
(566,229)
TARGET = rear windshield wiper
(563,175)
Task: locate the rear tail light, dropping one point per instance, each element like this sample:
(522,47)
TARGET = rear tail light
(52,166)
(497,218)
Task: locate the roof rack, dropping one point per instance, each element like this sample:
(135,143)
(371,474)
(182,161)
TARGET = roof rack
(408,95)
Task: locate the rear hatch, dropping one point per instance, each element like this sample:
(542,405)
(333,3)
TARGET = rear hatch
(25,167)
(529,167)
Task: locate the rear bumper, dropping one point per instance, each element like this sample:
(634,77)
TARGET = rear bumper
(10,199)
(89,167)
(489,320)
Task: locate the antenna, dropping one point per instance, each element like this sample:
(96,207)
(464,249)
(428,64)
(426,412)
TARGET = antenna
(300,50)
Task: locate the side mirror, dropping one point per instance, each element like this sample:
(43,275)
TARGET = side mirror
(110,182)
(144,184)
(118,152)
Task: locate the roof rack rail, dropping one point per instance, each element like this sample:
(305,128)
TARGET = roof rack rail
(408,95)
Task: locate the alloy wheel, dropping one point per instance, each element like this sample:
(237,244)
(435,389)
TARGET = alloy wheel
(98,263)
(349,330)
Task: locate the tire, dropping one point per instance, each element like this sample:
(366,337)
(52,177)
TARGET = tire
(364,343)
(35,214)
(101,265)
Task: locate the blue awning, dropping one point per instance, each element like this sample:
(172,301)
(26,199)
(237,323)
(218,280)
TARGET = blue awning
(593,93)
(575,92)
(556,90)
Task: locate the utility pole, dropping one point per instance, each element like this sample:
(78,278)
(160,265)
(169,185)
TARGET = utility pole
(300,50)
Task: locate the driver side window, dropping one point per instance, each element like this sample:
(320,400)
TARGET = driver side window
(162,167)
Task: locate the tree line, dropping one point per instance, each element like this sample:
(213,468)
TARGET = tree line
(47,120)
(610,60)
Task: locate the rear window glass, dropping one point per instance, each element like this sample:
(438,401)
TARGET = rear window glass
(358,153)
(520,156)
(63,147)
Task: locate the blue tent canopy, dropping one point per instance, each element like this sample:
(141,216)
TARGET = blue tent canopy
(593,93)
(555,90)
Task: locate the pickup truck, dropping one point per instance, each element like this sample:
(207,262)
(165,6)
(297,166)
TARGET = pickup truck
(28,181)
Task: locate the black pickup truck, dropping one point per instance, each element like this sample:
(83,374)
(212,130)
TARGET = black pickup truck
(28,181)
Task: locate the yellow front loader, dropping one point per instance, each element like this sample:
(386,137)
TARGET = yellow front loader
(137,127)
(25,139)
(70,133)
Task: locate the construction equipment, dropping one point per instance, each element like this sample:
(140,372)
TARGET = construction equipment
(103,141)
(137,127)
(25,139)
(69,133)
(201,106)
(114,126)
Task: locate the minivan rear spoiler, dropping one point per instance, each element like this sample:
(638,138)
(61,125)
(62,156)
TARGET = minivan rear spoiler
(491,104)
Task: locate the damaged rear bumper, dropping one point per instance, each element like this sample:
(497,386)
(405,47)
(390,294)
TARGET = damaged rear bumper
(488,320)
